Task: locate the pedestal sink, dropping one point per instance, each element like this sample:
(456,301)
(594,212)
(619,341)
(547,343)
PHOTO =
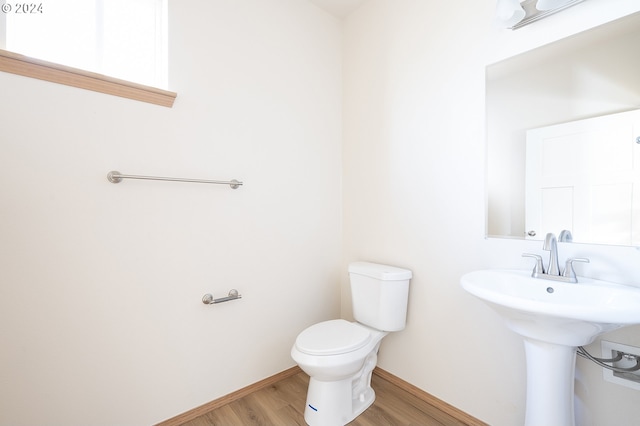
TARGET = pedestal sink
(553,318)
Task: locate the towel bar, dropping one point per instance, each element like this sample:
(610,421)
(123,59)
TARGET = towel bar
(116,177)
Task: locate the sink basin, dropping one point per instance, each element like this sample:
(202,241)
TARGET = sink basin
(553,318)
(551,311)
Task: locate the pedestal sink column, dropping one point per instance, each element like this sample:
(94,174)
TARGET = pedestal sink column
(550,380)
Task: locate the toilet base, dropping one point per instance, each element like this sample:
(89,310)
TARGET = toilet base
(332,403)
(339,402)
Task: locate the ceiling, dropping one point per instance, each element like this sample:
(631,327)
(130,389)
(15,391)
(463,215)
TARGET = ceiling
(338,8)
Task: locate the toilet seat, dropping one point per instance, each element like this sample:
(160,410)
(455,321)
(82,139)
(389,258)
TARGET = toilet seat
(332,338)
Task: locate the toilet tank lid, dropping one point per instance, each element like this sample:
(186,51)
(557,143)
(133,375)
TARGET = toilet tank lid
(379,271)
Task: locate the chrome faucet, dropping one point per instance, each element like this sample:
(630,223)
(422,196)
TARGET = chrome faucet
(551,245)
(565,236)
(553,271)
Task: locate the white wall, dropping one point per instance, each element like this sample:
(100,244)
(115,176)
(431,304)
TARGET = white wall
(101,320)
(414,196)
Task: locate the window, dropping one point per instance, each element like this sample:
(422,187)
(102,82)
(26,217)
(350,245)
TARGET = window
(124,39)
(121,38)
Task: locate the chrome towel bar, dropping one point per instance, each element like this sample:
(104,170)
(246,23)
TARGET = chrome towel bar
(208,299)
(116,177)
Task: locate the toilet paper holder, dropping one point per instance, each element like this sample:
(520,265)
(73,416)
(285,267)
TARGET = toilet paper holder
(208,299)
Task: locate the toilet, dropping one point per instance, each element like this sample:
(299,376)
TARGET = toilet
(339,356)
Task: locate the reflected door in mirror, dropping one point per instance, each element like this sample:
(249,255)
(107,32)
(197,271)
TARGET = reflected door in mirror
(584,176)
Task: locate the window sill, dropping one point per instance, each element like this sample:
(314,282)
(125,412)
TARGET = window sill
(49,71)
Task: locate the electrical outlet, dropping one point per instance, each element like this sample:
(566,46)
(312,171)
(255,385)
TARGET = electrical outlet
(629,379)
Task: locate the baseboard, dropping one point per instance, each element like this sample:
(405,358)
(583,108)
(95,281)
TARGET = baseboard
(227,399)
(459,415)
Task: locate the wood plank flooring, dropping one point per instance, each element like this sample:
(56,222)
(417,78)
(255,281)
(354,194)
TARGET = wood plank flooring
(283,402)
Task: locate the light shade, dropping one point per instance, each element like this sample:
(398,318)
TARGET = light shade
(550,4)
(509,13)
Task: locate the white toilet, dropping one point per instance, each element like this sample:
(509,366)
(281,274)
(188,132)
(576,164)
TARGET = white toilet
(339,356)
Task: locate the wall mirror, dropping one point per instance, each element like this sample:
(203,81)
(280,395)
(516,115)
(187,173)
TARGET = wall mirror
(566,98)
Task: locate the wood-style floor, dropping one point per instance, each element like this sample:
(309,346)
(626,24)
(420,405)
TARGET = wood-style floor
(283,402)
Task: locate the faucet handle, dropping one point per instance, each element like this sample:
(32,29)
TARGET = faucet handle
(568,267)
(539,268)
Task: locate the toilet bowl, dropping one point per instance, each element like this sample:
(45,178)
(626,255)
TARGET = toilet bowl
(339,356)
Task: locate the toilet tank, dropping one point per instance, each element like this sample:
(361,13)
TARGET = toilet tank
(379,295)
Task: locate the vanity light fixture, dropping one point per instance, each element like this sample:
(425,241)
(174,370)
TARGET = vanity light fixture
(509,12)
(550,4)
(514,14)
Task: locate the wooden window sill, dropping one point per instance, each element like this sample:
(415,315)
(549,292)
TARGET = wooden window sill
(49,71)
